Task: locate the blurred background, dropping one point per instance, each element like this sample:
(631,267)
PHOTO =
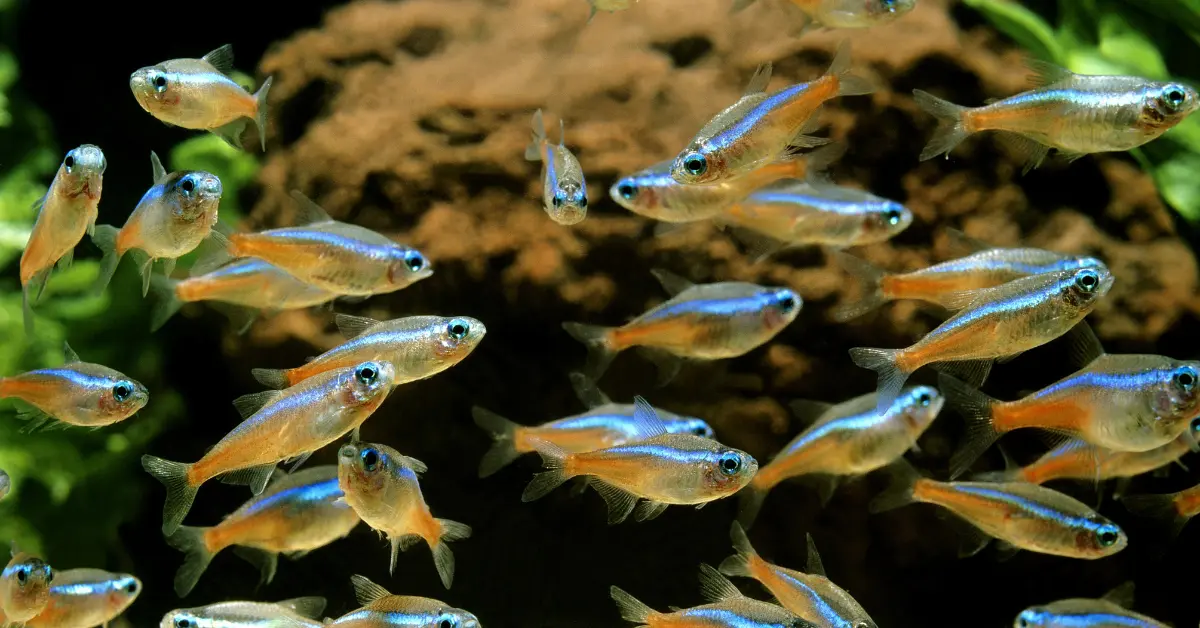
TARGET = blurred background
(411,118)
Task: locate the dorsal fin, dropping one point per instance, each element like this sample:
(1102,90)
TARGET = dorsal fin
(310,607)
(247,405)
(1043,73)
(646,418)
(807,411)
(308,212)
(586,390)
(366,591)
(715,587)
(160,173)
(417,466)
(814,566)
(1121,595)
(672,283)
(221,59)
(758,82)
(1083,347)
(961,243)
(69,354)
(353,326)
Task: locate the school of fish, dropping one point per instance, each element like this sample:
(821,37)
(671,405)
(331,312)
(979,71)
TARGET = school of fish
(755,169)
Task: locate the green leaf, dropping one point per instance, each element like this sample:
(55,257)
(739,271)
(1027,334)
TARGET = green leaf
(1127,46)
(1179,184)
(1024,26)
(234,168)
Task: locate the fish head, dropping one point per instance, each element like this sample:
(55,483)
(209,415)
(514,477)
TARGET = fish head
(1179,393)
(370,472)
(781,308)
(886,219)
(456,338)
(697,164)
(1034,617)
(368,384)
(919,406)
(185,618)
(635,193)
(122,590)
(1098,536)
(568,204)
(120,397)
(676,424)
(155,88)
(1166,105)
(407,266)
(192,194)
(1082,288)
(728,470)
(29,579)
(82,171)
(453,618)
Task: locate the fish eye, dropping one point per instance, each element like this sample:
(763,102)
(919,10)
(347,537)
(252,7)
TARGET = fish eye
(131,587)
(69,162)
(702,430)
(924,399)
(1022,622)
(183,622)
(187,185)
(22,575)
(556,201)
(730,463)
(122,391)
(582,202)
(1185,378)
(370,459)
(160,83)
(446,622)
(695,164)
(893,216)
(1087,280)
(367,373)
(414,260)
(1175,96)
(49,574)
(787,302)
(628,191)
(458,329)
(1107,536)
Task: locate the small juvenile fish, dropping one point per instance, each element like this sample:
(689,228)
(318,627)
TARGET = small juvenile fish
(811,595)
(381,485)
(663,469)
(177,213)
(417,347)
(851,438)
(983,269)
(605,424)
(5,484)
(279,425)
(705,322)
(198,94)
(653,193)
(340,257)
(24,588)
(243,288)
(1175,509)
(65,214)
(1110,611)
(302,612)
(564,193)
(77,393)
(845,13)
(296,514)
(997,322)
(1077,460)
(1132,403)
(815,213)
(727,608)
(381,609)
(759,127)
(1076,114)
(1020,515)
(83,598)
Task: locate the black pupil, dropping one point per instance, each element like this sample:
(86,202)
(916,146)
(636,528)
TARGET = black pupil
(69,162)
(370,458)
(187,185)
(700,431)
(694,165)
(1175,96)
(923,399)
(414,262)
(787,303)
(893,216)
(1108,538)
(367,373)
(626,191)
(131,587)
(1088,281)
(161,81)
(583,201)
(729,464)
(22,575)
(183,623)
(1186,379)
(445,623)
(557,201)
(458,330)
(121,392)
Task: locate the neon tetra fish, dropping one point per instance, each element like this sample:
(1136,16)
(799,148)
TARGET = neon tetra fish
(1020,515)
(1110,611)
(340,257)
(564,193)
(663,469)
(303,612)
(706,322)
(279,425)
(1174,509)
(1077,460)
(605,424)
(296,514)
(381,485)
(848,439)
(77,393)
(727,608)
(24,588)
(198,94)
(811,595)
(845,13)
(66,212)
(1076,114)
(417,347)
(174,216)
(83,598)
(381,609)
(760,127)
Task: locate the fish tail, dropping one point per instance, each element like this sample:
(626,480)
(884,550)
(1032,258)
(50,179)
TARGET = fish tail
(180,492)
(871,278)
(902,479)
(272,378)
(166,300)
(976,408)
(951,128)
(443,558)
(848,84)
(817,162)
(260,111)
(196,557)
(533,152)
(598,341)
(1158,507)
(739,563)
(885,362)
(750,501)
(555,459)
(631,608)
(105,239)
(504,449)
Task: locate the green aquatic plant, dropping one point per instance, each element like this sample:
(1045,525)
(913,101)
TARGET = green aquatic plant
(1133,37)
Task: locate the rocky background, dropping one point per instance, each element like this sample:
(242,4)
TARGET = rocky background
(411,118)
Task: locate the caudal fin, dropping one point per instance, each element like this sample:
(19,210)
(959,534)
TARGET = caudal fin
(631,608)
(504,449)
(1161,508)
(105,239)
(554,458)
(443,558)
(902,478)
(891,376)
(950,130)
(196,557)
(166,301)
(848,84)
(976,409)
(598,341)
(180,494)
(739,563)
(533,152)
(871,279)
(260,111)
